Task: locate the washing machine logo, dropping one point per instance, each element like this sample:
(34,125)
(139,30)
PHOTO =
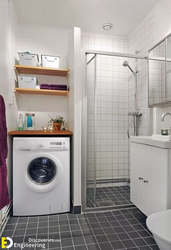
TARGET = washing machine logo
(5,244)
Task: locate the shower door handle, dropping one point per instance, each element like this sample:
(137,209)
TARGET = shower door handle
(140,178)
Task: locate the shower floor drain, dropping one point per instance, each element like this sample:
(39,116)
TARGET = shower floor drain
(109,196)
(104,203)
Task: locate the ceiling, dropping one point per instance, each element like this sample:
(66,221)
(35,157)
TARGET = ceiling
(89,15)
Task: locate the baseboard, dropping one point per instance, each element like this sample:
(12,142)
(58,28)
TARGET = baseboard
(76,210)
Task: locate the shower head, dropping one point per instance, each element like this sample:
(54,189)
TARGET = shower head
(126,64)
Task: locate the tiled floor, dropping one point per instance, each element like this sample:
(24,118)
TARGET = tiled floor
(109,196)
(122,229)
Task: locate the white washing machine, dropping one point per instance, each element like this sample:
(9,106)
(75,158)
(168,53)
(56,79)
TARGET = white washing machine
(41,175)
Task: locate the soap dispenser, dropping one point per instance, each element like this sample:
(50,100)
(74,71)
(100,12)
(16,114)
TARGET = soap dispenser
(30,121)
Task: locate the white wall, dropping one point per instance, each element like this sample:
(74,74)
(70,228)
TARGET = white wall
(77,116)
(49,41)
(7,55)
(162,20)
(71,105)
(75,111)
(157,123)
(8,51)
(7,59)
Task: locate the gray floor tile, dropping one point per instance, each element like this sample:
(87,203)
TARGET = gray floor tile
(120,229)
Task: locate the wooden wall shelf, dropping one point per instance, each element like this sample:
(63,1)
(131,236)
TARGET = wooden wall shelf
(41,92)
(41,71)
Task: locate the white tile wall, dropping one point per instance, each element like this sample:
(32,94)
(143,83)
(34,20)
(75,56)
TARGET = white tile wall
(142,40)
(104,43)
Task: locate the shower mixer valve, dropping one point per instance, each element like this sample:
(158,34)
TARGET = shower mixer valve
(135,113)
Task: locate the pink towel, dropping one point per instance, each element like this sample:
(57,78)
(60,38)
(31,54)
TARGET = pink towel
(4,196)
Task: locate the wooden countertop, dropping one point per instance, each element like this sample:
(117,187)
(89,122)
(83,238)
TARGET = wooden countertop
(40,132)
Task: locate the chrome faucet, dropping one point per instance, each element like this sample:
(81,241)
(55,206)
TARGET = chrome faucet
(163,116)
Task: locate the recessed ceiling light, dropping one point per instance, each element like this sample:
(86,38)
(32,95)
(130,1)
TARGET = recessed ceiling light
(107,26)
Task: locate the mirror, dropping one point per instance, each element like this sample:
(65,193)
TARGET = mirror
(157,72)
(168,71)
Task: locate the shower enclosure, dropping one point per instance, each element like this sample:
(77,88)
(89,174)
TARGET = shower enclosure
(109,101)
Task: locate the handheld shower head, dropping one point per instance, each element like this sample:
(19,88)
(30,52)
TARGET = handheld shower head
(126,64)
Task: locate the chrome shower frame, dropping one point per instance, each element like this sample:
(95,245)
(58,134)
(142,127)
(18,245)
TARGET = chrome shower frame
(84,124)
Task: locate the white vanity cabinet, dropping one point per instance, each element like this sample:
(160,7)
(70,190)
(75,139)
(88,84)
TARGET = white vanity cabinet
(150,177)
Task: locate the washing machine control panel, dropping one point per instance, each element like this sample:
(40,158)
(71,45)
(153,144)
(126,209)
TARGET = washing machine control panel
(58,144)
(53,145)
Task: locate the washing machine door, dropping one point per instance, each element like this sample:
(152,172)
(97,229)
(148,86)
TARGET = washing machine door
(42,170)
(43,173)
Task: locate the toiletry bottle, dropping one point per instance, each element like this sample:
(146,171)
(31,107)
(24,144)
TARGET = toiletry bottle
(20,122)
(29,121)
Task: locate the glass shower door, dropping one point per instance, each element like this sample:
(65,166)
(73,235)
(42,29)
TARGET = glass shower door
(107,147)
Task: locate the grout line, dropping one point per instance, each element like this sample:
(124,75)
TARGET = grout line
(48,233)
(25,229)
(59,232)
(104,232)
(15,227)
(70,232)
(37,228)
(82,232)
(94,234)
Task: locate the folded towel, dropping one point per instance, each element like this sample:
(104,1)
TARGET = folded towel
(4,196)
(57,88)
(44,85)
(53,86)
(58,85)
(44,88)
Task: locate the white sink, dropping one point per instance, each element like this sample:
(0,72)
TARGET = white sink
(162,137)
(161,141)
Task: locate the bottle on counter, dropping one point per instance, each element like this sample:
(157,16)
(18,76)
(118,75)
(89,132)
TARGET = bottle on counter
(20,122)
(30,121)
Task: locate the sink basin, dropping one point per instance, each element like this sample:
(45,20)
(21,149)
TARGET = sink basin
(162,137)
(161,141)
